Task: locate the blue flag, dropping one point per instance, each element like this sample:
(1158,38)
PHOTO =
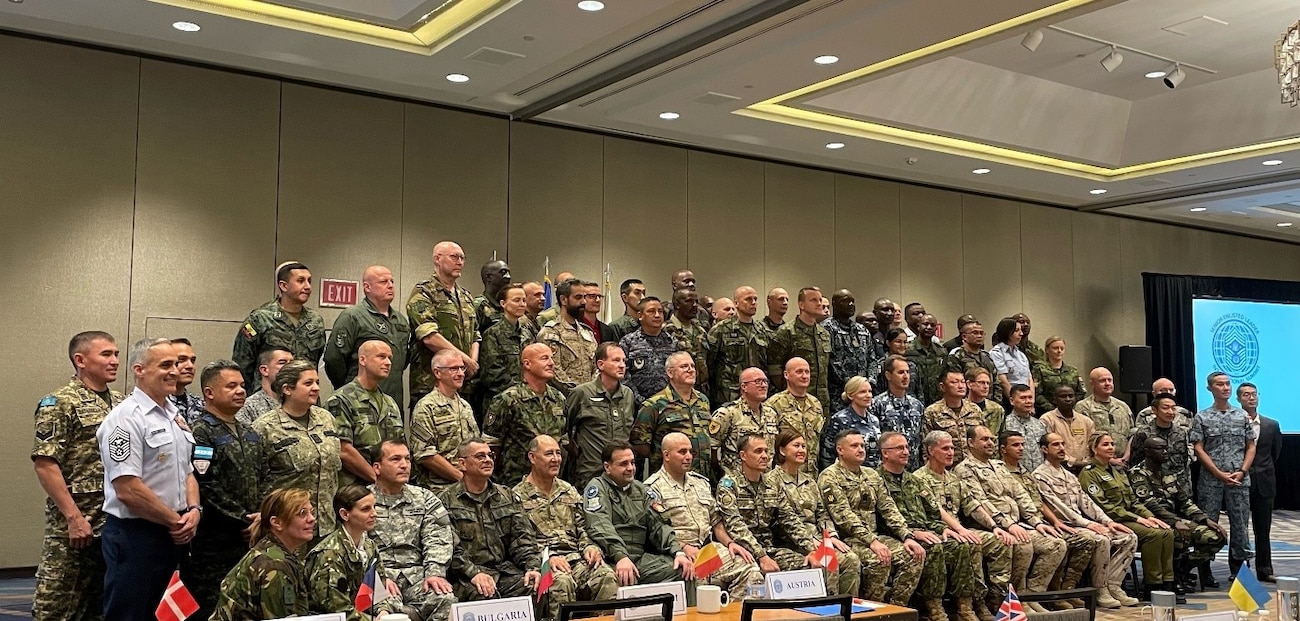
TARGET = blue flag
(1246,591)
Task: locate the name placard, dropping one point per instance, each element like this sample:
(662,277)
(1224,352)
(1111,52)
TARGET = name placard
(796,584)
(676,589)
(333,616)
(506,609)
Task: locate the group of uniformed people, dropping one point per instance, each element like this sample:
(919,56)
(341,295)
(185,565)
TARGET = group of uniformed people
(513,409)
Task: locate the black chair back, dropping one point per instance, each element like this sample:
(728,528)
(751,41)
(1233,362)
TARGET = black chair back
(588,609)
(845,602)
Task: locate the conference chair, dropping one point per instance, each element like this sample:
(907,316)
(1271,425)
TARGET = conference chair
(845,603)
(1087,613)
(603,607)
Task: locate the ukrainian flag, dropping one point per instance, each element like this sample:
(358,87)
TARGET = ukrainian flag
(1247,592)
(546,283)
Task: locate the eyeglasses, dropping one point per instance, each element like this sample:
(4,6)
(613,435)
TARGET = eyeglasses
(481,457)
(455,369)
(979,382)
(305,511)
(894,448)
(761,381)
(589,296)
(459,258)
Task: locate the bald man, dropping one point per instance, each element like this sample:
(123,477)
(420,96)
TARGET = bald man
(679,408)
(373,319)
(553,313)
(736,343)
(778,303)
(798,409)
(524,411)
(442,317)
(1183,418)
(1108,414)
(723,309)
(364,415)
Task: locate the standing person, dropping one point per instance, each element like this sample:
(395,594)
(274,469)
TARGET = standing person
(1166,426)
(572,343)
(1075,429)
(597,413)
(1263,477)
(953,413)
(691,331)
(630,292)
(283,323)
(364,414)
(855,415)
(68,467)
(337,566)
(677,408)
(1109,414)
(1023,422)
(895,345)
(647,349)
(503,343)
(440,422)
(1035,353)
(190,406)
(797,409)
(930,358)
(300,445)
(852,352)
(978,384)
(524,411)
(970,355)
(1224,441)
(442,318)
(150,493)
(263,398)
(1183,417)
(534,298)
(737,419)
(1011,364)
(778,303)
(487,307)
(1052,372)
(897,409)
(270,581)
(374,319)
(735,344)
(805,338)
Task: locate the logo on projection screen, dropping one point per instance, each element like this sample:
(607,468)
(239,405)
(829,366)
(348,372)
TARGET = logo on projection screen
(1236,346)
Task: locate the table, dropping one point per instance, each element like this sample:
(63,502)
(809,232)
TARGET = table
(886,612)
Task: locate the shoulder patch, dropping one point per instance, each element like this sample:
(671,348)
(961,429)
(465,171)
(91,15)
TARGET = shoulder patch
(248,331)
(45,431)
(592,491)
(119,445)
(1093,489)
(47,401)
(726,482)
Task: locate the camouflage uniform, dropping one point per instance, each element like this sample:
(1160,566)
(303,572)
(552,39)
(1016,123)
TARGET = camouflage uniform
(573,348)
(851,354)
(880,383)
(796,339)
(361,323)
(500,365)
(190,407)
(940,417)
(752,510)
(692,511)
(487,312)
(1224,435)
(931,362)
(1060,489)
(962,361)
(804,415)
(994,416)
(1032,429)
(991,558)
(948,566)
(1047,380)
(733,347)
(1080,546)
(992,487)
(493,537)
(855,500)
(270,582)
(627,522)
(693,337)
(735,420)
(1163,495)
(364,419)
(1033,351)
(228,491)
(667,412)
(547,315)
(561,523)
(1182,417)
(1113,417)
(624,325)
(439,424)
(646,356)
(867,424)
(1109,488)
(305,455)
(413,535)
(595,418)
(1180,456)
(269,327)
(435,309)
(905,415)
(517,416)
(255,406)
(335,570)
(66,422)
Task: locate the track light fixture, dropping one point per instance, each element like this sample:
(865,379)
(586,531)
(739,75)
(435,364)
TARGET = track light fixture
(1032,39)
(1175,76)
(1112,60)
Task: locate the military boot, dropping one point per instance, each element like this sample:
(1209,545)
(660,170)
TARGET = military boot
(1069,580)
(982,609)
(934,609)
(966,612)
(1117,592)
(1105,600)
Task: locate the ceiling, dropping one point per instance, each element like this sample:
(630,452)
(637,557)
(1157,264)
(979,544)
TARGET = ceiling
(923,90)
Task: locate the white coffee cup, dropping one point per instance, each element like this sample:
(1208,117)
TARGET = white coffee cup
(710,599)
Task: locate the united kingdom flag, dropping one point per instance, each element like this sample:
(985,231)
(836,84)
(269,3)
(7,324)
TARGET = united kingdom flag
(1011,609)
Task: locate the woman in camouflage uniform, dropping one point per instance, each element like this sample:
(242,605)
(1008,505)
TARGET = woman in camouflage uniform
(270,582)
(1053,372)
(801,487)
(338,564)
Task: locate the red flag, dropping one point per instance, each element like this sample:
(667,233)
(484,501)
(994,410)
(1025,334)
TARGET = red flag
(366,594)
(1011,609)
(548,575)
(825,553)
(707,561)
(177,604)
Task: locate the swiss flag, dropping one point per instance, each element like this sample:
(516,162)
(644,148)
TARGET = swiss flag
(825,552)
(177,604)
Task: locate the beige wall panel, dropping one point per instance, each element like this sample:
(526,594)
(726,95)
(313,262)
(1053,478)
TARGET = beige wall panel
(205,198)
(340,184)
(799,229)
(454,187)
(207,335)
(991,260)
(67,164)
(1047,270)
(868,253)
(931,249)
(1098,289)
(645,217)
(556,201)
(725,224)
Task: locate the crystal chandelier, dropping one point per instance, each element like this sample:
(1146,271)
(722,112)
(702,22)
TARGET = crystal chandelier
(1286,53)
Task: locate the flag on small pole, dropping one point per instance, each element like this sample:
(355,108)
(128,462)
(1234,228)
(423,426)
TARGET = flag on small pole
(609,301)
(372,590)
(548,575)
(546,283)
(707,561)
(1246,591)
(177,603)
(825,552)
(1011,608)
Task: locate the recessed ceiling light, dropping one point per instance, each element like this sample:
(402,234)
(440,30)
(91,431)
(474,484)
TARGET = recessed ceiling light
(981,171)
(669,116)
(835,145)
(1284,224)
(1156,75)
(457,77)
(1096,192)
(1196,209)
(1271,162)
(826,60)
(186,26)
(591,5)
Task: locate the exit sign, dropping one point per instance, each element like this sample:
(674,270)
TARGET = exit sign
(338,293)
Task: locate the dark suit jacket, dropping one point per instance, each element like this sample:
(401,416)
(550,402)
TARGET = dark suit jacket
(1263,471)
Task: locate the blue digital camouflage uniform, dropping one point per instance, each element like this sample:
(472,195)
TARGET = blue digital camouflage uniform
(905,415)
(851,354)
(646,356)
(1225,436)
(867,424)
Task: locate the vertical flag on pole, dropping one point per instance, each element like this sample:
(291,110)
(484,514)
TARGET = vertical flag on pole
(546,283)
(609,301)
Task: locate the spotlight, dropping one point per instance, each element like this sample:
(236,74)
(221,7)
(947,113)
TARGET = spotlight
(1031,40)
(1175,77)
(1112,60)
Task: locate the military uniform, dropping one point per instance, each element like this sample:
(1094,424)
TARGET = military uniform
(573,348)
(806,498)
(931,363)
(624,325)
(667,412)
(270,582)
(517,416)
(255,406)
(66,422)
(1224,435)
(1182,417)
(1032,429)
(500,365)
(1076,431)
(1180,456)
(488,312)
(692,511)
(269,327)
(905,415)
(561,523)
(547,315)
(856,500)
(797,339)
(435,309)
(1109,488)
(735,420)
(336,567)
(627,522)
(414,537)
(1033,351)
(1113,417)
(805,415)
(646,357)
(851,354)
(880,383)
(961,361)
(190,407)
(494,537)
(1060,489)
(754,511)
(956,422)
(733,347)
(439,424)
(867,424)
(948,566)
(991,558)
(1047,380)
(693,337)
(364,419)
(1162,494)
(358,324)
(1081,545)
(300,454)
(595,418)
(228,490)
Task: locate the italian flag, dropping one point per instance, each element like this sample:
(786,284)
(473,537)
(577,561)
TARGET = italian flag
(548,575)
